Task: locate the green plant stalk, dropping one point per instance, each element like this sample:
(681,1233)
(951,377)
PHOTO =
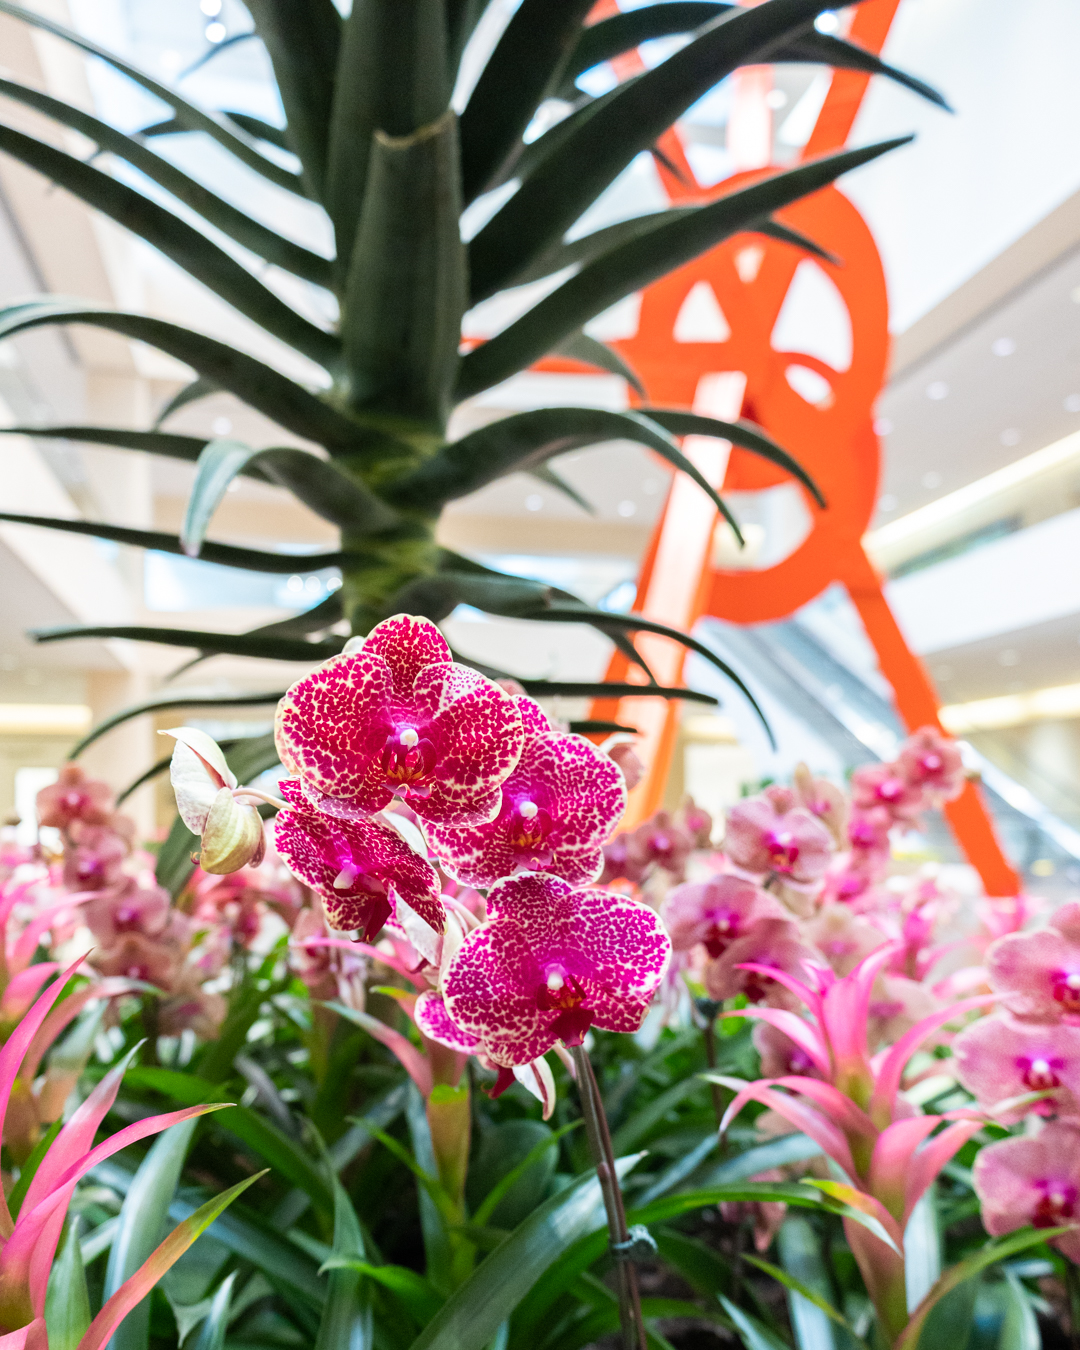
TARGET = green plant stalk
(376,568)
(449,1118)
(599,1137)
(1072,1286)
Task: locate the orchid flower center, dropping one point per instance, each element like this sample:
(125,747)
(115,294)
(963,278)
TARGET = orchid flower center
(783,849)
(126,916)
(1057,1204)
(1038,1073)
(890,789)
(930,763)
(73,800)
(528,826)
(724,931)
(560,992)
(1066,988)
(408,761)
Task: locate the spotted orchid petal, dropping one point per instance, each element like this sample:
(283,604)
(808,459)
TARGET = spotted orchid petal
(558,806)
(434,1022)
(551,962)
(362,869)
(399,718)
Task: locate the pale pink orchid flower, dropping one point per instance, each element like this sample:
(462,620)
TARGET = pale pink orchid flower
(1033,1180)
(770,834)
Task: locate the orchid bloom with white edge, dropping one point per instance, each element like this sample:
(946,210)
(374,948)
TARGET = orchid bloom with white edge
(28,1242)
(223,815)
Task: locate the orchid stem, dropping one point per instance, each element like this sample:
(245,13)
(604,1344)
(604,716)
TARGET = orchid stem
(599,1136)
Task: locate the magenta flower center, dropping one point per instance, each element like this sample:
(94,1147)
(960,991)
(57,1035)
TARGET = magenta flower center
(126,916)
(528,826)
(89,869)
(1066,989)
(560,992)
(1056,1206)
(1039,1072)
(408,761)
(930,763)
(724,931)
(783,849)
(73,801)
(890,789)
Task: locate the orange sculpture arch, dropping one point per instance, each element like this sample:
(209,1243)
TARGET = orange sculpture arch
(832,437)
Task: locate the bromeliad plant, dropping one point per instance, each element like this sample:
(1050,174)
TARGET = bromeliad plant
(32,1218)
(379,134)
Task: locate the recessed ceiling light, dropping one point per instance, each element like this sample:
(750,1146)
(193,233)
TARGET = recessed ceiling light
(931,480)
(211,8)
(938,390)
(1010,436)
(776,98)
(1072,403)
(627,508)
(215,32)
(534,502)
(883,426)
(221,426)
(887,503)
(1004,346)
(828,22)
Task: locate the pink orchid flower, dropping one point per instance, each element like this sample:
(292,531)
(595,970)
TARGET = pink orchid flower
(715,913)
(1037,974)
(1001,1057)
(754,962)
(1033,1180)
(858,1115)
(132,909)
(771,834)
(550,963)
(933,762)
(363,869)
(558,807)
(73,797)
(883,785)
(94,858)
(28,1243)
(399,718)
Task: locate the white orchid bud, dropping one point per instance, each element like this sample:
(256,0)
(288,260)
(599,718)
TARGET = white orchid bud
(231,831)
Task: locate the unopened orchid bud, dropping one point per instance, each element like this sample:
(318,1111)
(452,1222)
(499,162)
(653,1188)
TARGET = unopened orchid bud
(231,831)
(232,836)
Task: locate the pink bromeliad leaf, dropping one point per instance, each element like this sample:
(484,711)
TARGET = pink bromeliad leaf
(932,1157)
(408,1056)
(360,868)
(890,1069)
(804,1117)
(550,963)
(558,806)
(399,718)
(796,1028)
(11,1058)
(135,1289)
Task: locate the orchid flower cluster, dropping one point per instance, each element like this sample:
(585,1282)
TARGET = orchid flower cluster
(408,773)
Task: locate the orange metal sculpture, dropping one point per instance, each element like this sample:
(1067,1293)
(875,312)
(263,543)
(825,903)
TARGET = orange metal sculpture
(833,437)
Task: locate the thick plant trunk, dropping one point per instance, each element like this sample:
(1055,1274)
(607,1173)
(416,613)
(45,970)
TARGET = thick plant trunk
(379,567)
